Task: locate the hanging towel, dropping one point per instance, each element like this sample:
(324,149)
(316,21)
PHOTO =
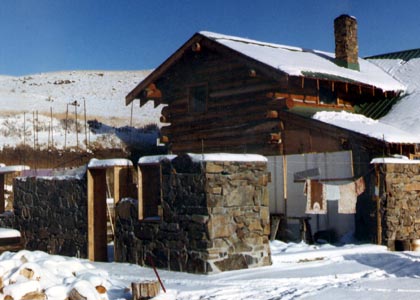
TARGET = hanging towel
(332,192)
(315,198)
(360,186)
(348,199)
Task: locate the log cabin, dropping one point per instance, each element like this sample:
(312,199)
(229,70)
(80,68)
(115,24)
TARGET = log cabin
(226,93)
(229,94)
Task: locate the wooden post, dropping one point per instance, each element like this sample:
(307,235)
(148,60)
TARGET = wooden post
(378,206)
(97,220)
(65,130)
(145,289)
(86,136)
(140,193)
(2,193)
(121,182)
(285,184)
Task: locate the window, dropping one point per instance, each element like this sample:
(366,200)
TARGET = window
(327,96)
(198,98)
(150,194)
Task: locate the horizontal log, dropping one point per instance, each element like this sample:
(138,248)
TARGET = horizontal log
(164,119)
(256,147)
(242,90)
(183,126)
(226,132)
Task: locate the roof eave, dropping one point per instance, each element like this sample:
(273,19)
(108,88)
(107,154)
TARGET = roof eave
(134,94)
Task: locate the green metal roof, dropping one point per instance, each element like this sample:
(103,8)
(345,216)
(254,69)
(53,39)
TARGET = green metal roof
(405,55)
(377,109)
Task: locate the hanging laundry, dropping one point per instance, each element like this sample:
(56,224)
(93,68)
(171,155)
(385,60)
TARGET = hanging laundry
(332,191)
(348,199)
(315,198)
(360,186)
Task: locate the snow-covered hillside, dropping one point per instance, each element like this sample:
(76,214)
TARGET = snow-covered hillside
(37,109)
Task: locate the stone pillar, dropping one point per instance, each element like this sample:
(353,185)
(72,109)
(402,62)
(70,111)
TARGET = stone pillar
(346,44)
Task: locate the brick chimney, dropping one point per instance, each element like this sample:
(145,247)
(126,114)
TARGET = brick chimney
(346,45)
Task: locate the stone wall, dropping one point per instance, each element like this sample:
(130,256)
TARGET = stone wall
(51,214)
(400,202)
(215,217)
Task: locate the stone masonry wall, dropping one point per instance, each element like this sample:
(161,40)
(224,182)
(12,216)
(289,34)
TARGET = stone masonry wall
(51,214)
(215,218)
(400,203)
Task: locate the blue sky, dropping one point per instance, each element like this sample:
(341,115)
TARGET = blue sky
(52,35)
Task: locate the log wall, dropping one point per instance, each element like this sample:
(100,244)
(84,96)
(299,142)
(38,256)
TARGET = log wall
(246,106)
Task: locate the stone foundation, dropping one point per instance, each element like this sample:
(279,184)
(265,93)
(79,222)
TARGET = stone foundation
(214,217)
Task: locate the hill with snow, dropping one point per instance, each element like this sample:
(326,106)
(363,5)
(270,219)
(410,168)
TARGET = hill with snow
(41,110)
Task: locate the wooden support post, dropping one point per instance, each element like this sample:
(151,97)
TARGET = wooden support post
(378,206)
(285,184)
(97,220)
(140,193)
(2,193)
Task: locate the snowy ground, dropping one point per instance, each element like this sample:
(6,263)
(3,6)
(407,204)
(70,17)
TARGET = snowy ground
(298,271)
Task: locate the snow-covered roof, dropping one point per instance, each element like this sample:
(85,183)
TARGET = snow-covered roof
(11,169)
(393,160)
(304,62)
(9,233)
(206,157)
(105,163)
(368,127)
(404,114)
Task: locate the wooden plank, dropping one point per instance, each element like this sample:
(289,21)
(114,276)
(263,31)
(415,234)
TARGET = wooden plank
(122,182)
(91,215)
(140,193)
(242,90)
(97,219)
(221,118)
(2,191)
(243,129)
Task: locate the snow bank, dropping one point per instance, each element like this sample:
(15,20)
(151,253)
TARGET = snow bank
(56,276)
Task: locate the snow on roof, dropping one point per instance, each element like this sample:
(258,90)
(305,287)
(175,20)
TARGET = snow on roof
(297,61)
(10,169)
(367,126)
(9,233)
(393,160)
(105,163)
(206,157)
(154,159)
(404,114)
(228,157)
